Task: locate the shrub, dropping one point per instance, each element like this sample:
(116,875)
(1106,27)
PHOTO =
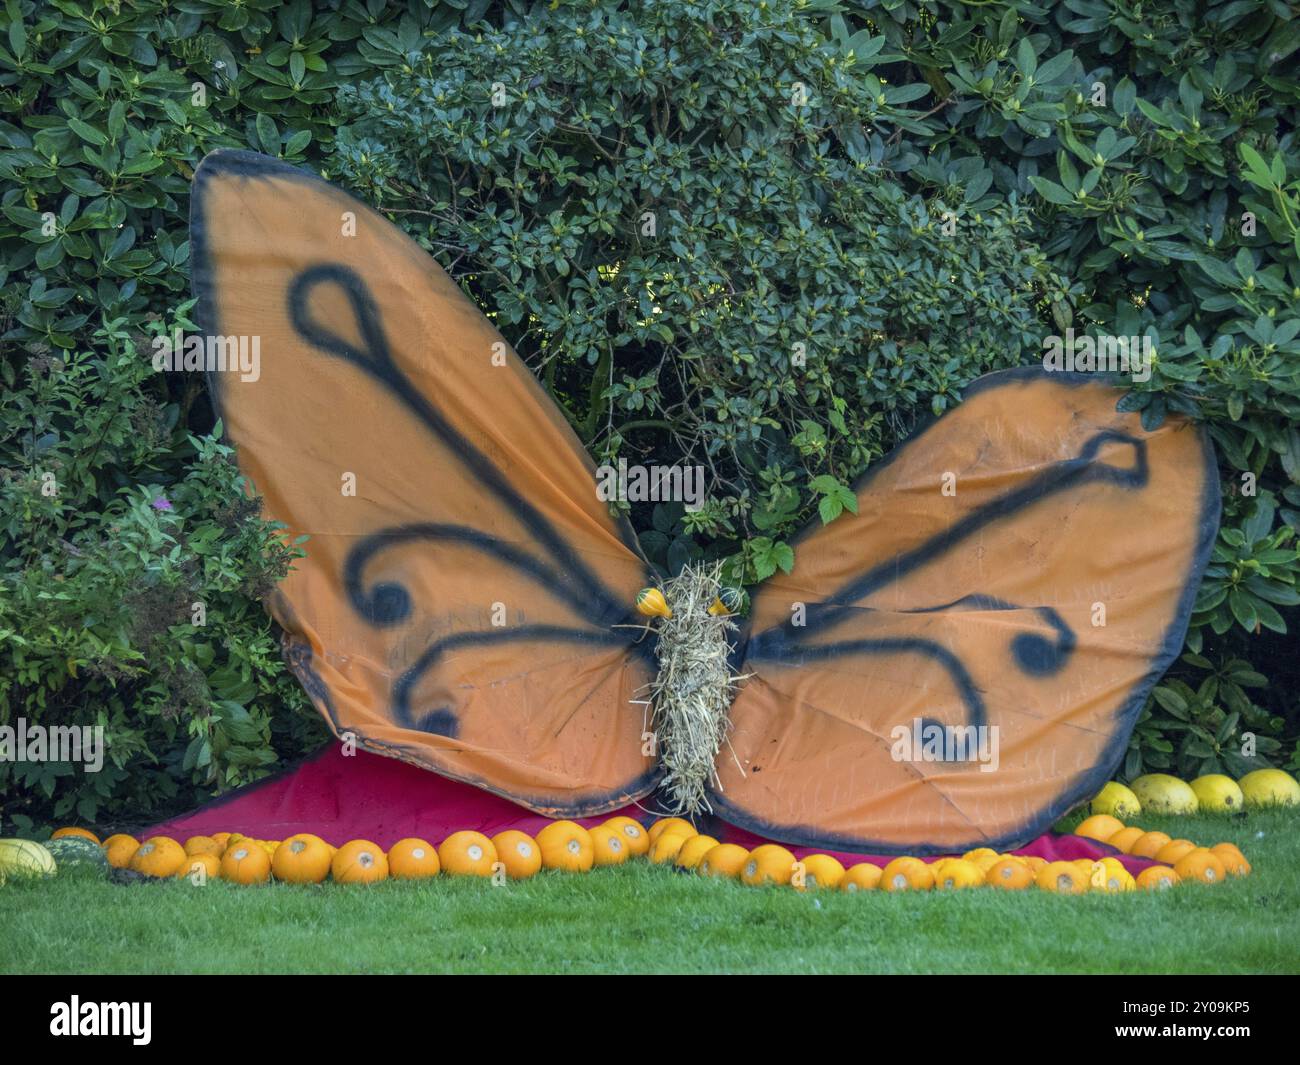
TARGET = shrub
(952,188)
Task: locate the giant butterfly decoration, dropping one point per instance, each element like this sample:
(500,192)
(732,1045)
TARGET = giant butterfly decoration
(975,608)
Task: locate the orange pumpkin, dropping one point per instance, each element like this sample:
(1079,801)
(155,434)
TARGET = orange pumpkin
(962,873)
(302,859)
(1200,866)
(120,849)
(245,863)
(1010,874)
(1234,862)
(1172,851)
(412,859)
(78,833)
(159,856)
(665,823)
(609,845)
(1149,844)
(634,834)
(665,849)
(223,838)
(519,853)
(861,877)
(359,862)
(1063,878)
(725,860)
(1124,839)
(198,869)
(768,864)
(467,854)
(1099,827)
(907,874)
(203,845)
(1035,863)
(1156,878)
(820,872)
(566,845)
(694,850)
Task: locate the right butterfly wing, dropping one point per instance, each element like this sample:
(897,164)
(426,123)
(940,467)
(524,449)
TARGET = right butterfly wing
(964,594)
(461,609)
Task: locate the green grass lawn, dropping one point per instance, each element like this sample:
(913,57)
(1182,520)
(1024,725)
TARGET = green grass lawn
(642,918)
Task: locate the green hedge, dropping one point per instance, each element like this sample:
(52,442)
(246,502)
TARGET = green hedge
(1092,167)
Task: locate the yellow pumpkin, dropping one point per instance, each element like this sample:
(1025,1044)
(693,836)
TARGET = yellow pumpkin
(198,869)
(412,859)
(566,845)
(245,863)
(359,862)
(665,824)
(120,849)
(302,859)
(203,845)
(768,864)
(1010,874)
(693,851)
(861,877)
(1063,878)
(907,874)
(963,873)
(159,856)
(665,849)
(725,860)
(820,871)
(634,834)
(609,845)
(518,852)
(467,854)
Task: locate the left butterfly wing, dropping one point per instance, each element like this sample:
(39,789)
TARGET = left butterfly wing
(1027,566)
(460,600)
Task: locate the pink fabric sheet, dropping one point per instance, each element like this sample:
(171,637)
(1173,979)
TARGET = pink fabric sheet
(366,796)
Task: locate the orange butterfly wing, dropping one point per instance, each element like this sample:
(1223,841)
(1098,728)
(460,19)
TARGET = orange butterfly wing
(460,601)
(1027,564)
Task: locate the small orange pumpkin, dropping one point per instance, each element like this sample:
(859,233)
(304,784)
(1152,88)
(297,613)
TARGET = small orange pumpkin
(609,845)
(1124,839)
(820,871)
(1063,878)
(359,862)
(78,833)
(907,874)
(634,835)
(861,877)
(519,853)
(963,873)
(1010,874)
(1149,844)
(566,845)
(664,850)
(467,854)
(245,863)
(1099,827)
(120,849)
(412,859)
(1156,878)
(203,845)
(159,856)
(1234,862)
(768,864)
(665,823)
(1200,866)
(693,851)
(302,859)
(198,869)
(1172,851)
(725,860)
(223,838)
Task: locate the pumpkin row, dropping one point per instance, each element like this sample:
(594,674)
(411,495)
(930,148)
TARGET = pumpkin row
(567,846)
